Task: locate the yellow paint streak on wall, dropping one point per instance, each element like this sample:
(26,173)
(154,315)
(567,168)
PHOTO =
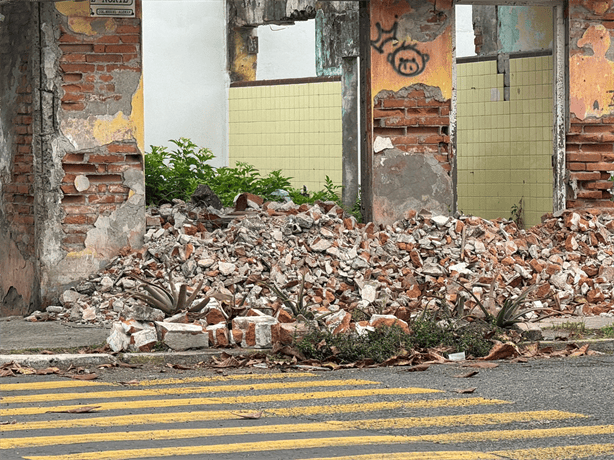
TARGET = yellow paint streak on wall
(107,129)
(375,424)
(179,391)
(591,77)
(559,453)
(180,417)
(129,405)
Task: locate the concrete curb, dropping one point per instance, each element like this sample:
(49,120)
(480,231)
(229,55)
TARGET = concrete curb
(186,358)
(191,358)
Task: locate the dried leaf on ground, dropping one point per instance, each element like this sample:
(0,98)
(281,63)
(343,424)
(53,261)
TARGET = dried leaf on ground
(48,370)
(466,375)
(466,390)
(180,367)
(501,351)
(91,376)
(248,415)
(78,410)
(419,368)
(130,382)
(481,365)
(47,352)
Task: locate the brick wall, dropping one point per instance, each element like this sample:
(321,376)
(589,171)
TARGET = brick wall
(414,122)
(92,68)
(590,140)
(18,196)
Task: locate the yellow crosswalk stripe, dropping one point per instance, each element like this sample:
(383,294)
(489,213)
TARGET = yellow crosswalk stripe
(180,391)
(258,446)
(558,453)
(547,453)
(431,455)
(181,417)
(368,424)
(235,400)
(52,385)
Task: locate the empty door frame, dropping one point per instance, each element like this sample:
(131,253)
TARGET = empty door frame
(560,91)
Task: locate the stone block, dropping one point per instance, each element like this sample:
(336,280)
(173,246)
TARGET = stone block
(180,336)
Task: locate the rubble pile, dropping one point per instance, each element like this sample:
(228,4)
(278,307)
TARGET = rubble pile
(278,268)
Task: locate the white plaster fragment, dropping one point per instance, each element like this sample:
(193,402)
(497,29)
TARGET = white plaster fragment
(382,143)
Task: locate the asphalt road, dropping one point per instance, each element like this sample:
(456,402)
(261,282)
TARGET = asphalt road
(545,409)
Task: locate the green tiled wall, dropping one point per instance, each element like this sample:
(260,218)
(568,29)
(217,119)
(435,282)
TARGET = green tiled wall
(505,147)
(295,128)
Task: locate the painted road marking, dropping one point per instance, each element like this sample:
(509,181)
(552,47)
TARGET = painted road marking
(373,424)
(52,385)
(223,400)
(180,391)
(181,417)
(547,453)
(294,444)
(558,453)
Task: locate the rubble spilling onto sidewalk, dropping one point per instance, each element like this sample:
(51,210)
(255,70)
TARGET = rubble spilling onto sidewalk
(267,272)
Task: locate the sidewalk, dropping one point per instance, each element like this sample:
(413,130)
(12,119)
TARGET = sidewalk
(22,341)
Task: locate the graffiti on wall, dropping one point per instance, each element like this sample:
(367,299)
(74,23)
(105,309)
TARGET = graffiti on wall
(406,60)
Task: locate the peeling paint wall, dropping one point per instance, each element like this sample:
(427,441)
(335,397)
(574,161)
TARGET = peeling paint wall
(18,277)
(524,28)
(411,84)
(590,141)
(93,164)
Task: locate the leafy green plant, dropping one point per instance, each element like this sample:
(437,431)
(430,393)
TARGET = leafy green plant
(517,214)
(177,173)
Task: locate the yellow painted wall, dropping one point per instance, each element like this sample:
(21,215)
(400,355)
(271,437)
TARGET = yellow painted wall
(505,147)
(295,128)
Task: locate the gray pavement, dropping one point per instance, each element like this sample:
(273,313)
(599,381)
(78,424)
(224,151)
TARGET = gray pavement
(22,341)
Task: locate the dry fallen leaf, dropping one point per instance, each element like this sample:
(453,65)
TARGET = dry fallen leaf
(418,368)
(84,376)
(130,382)
(78,410)
(482,365)
(466,375)
(466,390)
(248,415)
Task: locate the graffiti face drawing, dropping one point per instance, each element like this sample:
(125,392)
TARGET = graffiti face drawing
(406,60)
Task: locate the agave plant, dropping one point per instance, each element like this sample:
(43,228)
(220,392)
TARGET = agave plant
(171,300)
(509,312)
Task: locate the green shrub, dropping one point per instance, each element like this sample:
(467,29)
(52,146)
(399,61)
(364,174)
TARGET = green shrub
(177,173)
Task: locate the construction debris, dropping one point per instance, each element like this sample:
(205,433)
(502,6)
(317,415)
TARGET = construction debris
(268,273)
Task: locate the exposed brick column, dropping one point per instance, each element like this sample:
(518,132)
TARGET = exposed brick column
(92,68)
(414,122)
(590,140)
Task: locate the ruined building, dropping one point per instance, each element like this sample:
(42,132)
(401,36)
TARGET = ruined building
(71,120)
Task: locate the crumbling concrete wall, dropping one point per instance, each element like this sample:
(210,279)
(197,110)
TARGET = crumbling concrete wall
(18,276)
(71,159)
(411,84)
(590,141)
(336,32)
(94,182)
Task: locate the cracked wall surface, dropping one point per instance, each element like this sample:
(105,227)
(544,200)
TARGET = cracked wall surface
(590,140)
(95,158)
(18,277)
(411,84)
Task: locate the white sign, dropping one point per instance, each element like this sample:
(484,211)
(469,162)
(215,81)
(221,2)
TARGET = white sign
(112,8)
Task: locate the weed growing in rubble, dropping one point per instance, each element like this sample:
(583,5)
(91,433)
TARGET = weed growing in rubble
(387,342)
(177,173)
